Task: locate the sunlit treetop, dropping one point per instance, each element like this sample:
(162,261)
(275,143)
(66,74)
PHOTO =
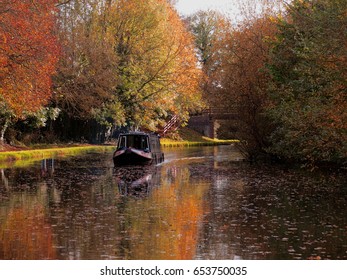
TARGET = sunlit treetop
(28,53)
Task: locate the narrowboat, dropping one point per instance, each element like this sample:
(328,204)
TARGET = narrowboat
(138,148)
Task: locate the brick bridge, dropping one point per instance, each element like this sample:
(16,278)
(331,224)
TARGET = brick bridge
(209,120)
(206,122)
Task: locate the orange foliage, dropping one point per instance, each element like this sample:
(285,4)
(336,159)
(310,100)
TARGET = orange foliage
(28,53)
(246,58)
(243,81)
(187,76)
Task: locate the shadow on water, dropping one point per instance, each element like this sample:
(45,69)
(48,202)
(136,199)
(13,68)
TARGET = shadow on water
(201,203)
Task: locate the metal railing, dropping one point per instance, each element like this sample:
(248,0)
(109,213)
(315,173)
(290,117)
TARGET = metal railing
(171,124)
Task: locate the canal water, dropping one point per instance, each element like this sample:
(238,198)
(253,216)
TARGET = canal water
(201,203)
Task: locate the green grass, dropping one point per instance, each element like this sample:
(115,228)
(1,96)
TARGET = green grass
(17,158)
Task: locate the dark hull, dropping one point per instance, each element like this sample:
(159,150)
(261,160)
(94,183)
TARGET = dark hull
(131,158)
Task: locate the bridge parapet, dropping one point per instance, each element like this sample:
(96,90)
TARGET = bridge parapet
(218,113)
(209,120)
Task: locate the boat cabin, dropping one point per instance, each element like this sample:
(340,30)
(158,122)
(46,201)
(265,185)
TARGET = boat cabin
(138,148)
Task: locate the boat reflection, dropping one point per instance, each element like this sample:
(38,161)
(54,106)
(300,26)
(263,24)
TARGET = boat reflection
(136,181)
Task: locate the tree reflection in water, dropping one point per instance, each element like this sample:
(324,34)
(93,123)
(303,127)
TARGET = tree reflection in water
(93,211)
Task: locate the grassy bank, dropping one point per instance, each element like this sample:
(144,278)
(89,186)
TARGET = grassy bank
(186,137)
(165,142)
(7,157)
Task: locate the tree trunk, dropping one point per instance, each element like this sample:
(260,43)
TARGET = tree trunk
(3,130)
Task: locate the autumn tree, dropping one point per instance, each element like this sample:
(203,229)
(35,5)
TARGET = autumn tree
(157,64)
(239,82)
(125,63)
(28,54)
(86,74)
(232,57)
(235,57)
(309,82)
(207,28)
(211,31)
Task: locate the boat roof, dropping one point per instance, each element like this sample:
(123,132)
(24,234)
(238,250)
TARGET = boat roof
(138,133)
